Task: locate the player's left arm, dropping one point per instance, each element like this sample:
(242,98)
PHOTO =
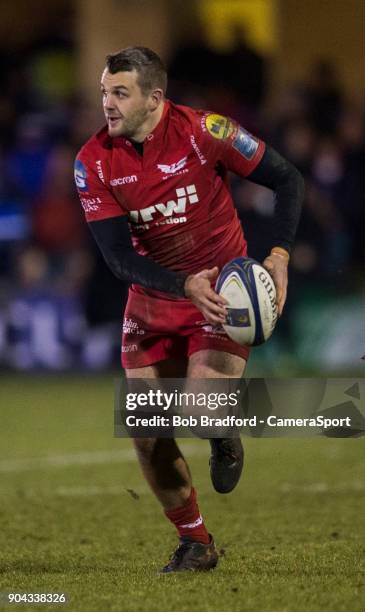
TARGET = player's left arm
(226,143)
(279,175)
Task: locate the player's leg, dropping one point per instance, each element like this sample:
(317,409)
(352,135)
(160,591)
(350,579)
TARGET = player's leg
(226,461)
(210,363)
(168,474)
(161,460)
(151,335)
(147,354)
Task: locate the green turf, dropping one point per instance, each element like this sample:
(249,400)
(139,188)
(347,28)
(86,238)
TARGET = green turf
(291,536)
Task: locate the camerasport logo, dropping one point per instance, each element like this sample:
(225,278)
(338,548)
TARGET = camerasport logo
(132,327)
(184,195)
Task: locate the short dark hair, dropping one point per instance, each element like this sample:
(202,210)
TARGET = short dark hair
(151,71)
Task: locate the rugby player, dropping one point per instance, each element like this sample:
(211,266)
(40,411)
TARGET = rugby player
(154,187)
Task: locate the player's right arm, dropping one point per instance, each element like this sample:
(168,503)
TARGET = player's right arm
(108,222)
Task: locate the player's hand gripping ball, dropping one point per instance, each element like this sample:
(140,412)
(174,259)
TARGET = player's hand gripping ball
(250,291)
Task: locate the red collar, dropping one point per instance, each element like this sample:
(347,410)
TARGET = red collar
(158,132)
(160,128)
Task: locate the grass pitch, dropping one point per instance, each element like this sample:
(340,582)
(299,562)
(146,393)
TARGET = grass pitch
(77,517)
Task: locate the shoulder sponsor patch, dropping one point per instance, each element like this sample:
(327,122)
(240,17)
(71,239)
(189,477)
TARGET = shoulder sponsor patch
(218,126)
(80,174)
(245,144)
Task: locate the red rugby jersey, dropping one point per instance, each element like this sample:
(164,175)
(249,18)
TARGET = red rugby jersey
(177,195)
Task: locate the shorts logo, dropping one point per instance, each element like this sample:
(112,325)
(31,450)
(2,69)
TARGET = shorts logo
(124,180)
(132,327)
(129,348)
(178,206)
(218,126)
(245,144)
(209,329)
(80,176)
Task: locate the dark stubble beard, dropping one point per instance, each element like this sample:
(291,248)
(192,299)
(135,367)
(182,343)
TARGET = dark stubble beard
(133,122)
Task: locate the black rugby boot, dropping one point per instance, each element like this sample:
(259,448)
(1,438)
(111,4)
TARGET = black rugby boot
(226,463)
(192,555)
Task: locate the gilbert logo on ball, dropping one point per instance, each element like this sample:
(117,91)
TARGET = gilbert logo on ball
(251,295)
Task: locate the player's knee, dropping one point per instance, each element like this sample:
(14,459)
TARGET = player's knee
(158,452)
(145,447)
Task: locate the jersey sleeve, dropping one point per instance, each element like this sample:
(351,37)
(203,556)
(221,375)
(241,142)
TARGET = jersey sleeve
(224,141)
(96,199)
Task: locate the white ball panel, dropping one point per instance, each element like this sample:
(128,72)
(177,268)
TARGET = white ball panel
(234,290)
(238,288)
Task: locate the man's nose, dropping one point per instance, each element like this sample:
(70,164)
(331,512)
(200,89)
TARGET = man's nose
(108,102)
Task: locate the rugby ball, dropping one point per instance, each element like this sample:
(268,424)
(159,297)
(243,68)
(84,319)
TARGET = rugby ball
(251,295)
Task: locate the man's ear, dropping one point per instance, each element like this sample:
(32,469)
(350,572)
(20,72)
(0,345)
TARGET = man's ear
(156,97)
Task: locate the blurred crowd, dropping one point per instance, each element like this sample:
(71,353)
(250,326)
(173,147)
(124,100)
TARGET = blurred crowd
(59,305)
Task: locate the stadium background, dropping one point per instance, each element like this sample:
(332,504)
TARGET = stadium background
(286,70)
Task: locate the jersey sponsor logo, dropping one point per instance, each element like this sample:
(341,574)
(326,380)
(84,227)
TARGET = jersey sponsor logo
(124,180)
(245,144)
(218,126)
(197,151)
(80,176)
(90,204)
(184,195)
(172,168)
(100,170)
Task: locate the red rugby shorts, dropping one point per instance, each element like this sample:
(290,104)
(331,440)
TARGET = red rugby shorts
(155,329)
